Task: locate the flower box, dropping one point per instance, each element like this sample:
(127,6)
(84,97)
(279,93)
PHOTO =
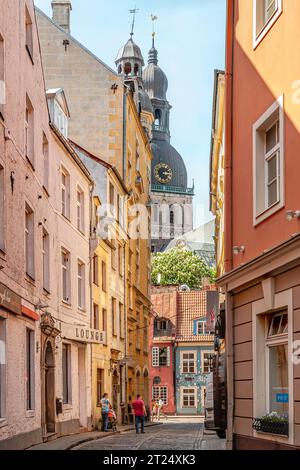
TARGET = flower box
(280,427)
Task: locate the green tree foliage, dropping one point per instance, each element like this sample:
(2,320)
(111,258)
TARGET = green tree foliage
(180,266)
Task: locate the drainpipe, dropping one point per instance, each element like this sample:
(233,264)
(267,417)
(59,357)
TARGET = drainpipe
(229,214)
(91,296)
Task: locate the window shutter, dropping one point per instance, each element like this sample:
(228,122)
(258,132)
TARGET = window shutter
(168,356)
(155,357)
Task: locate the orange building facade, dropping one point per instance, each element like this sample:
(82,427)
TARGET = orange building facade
(262,225)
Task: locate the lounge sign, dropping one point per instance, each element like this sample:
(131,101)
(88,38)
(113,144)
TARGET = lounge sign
(82,334)
(9,300)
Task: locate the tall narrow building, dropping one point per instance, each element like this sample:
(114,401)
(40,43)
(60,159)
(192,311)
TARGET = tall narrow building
(172,199)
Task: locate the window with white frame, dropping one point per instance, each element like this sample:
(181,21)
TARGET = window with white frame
(66,276)
(266,13)
(45,162)
(189,398)
(29,241)
(268,162)
(81,284)
(207,362)
(80,210)
(201,328)
(188,362)
(2,232)
(46,260)
(160,393)
(2,368)
(30,370)
(65,193)
(160,356)
(66,373)
(60,119)
(277,363)
(29,33)
(29,131)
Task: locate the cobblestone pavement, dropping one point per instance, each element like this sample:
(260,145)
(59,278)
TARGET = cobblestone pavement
(175,434)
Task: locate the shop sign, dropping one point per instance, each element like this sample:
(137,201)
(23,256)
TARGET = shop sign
(82,334)
(9,300)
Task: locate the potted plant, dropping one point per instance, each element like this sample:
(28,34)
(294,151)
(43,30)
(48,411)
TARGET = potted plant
(272,423)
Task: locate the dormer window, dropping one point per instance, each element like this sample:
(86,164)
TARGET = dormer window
(60,120)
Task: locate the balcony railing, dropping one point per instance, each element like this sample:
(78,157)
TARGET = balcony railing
(162,333)
(172,189)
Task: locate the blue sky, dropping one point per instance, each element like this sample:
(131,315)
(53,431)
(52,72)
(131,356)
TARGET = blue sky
(190,41)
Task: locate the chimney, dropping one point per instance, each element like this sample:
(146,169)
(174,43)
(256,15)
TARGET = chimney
(61,12)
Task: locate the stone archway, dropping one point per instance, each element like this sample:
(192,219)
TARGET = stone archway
(49,388)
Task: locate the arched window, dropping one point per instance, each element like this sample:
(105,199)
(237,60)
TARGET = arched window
(127,68)
(120,69)
(157,117)
(136,69)
(172,218)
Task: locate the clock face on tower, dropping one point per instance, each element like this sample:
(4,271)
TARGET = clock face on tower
(163,173)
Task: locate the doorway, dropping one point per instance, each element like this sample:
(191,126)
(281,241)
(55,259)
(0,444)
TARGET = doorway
(115,389)
(82,388)
(49,383)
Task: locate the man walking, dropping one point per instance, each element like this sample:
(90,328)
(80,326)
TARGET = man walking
(105,405)
(139,410)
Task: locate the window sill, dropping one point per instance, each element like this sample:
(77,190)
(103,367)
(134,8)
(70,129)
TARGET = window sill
(66,304)
(46,292)
(46,191)
(67,407)
(30,414)
(258,219)
(30,279)
(82,310)
(3,422)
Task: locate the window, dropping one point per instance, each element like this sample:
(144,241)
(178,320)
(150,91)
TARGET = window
(277,363)
(95,270)
(268,162)
(127,68)
(188,398)
(157,121)
(65,193)
(172,218)
(66,373)
(80,210)
(137,155)
(29,131)
(81,284)
(29,241)
(2,232)
(103,271)
(120,260)
(2,368)
(201,328)
(46,260)
(45,162)
(29,34)
(104,324)
(113,317)
(160,393)
(112,198)
(188,363)
(66,276)
(2,77)
(145,335)
(160,356)
(100,385)
(121,320)
(207,362)
(266,12)
(30,365)
(113,254)
(60,120)
(96,316)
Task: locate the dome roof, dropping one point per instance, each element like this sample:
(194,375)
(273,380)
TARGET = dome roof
(155,81)
(163,152)
(145,101)
(130,51)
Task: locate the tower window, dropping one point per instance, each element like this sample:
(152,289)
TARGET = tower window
(136,69)
(120,69)
(172,218)
(157,117)
(127,68)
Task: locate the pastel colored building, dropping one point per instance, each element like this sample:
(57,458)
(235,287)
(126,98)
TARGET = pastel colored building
(261,274)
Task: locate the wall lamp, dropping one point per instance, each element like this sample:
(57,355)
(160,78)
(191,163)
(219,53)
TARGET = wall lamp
(290,215)
(237,250)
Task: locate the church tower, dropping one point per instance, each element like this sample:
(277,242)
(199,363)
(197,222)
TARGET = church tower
(172,199)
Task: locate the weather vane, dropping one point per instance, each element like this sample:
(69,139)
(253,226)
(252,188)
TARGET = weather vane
(133,12)
(153,19)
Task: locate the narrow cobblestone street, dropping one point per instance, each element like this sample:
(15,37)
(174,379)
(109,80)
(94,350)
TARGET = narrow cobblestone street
(174,434)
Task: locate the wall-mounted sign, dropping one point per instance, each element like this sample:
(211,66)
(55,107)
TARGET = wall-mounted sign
(282,397)
(9,300)
(83,334)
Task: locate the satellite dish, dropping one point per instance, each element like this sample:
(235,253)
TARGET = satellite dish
(184,288)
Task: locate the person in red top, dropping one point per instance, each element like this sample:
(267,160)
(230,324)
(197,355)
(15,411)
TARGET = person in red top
(139,410)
